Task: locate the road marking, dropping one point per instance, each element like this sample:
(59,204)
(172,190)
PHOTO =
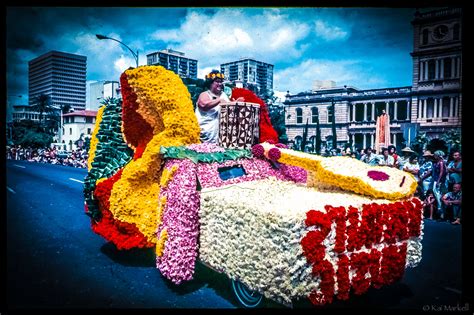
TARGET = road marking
(20,166)
(76,180)
(11,190)
(453,290)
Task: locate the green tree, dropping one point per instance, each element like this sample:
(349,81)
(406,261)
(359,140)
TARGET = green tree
(42,104)
(420,142)
(36,139)
(452,138)
(277,118)
(195,88)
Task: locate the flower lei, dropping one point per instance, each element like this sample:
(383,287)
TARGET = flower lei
(214,75)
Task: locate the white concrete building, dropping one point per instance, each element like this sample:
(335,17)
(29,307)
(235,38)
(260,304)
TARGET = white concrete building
(75,125)
(98,91)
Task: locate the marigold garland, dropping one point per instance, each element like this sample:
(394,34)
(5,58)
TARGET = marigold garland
(349,174)
(123,234)
(161,100)
(94,140)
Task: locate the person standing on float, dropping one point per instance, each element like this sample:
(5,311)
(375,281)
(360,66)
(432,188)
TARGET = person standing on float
(208,108)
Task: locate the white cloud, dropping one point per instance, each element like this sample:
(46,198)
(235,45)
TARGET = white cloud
(123,63)
(166,35)
(301,77)
(329,32)
(229,34)
(203,71)
(106,59)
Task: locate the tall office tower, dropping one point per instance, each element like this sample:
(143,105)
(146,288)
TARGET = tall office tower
(175,61)
(60,75)
(251,73)
(101,90)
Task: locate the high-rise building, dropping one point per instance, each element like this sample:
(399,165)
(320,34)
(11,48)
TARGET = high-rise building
(175,61)
(98,91)
(60,75)
(251,73)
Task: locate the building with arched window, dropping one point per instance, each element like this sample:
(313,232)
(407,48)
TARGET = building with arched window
(433,104)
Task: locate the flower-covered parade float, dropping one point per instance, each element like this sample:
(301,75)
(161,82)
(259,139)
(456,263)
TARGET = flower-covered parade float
(280,223)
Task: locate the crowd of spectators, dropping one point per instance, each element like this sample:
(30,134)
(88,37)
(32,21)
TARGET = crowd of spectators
(439,178)
(74,158)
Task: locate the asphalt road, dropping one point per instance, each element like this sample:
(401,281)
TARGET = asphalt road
(54,260)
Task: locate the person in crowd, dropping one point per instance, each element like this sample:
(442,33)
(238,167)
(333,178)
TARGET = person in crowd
(454,170)
(412,166)
(406,153)
(208,108)
(386,159)
(369,157)
(452,201)
(424,174)
(429,204)
(438,178)
(392,151)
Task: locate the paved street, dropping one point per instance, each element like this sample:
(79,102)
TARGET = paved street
(55,260)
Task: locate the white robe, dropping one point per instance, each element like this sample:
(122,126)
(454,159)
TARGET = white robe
(209,120)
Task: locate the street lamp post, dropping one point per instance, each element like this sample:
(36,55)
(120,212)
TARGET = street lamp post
(135,54)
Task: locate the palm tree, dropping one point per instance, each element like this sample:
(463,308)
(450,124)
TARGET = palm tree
(42,104)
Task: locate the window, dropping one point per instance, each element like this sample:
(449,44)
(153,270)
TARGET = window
(314,115)
(299,116)
(456,32)
(330,113)
(229,172)
(424,40)
(430,108)
(70,131)
(447,68)
(89,131)
(446,102)
(431,70)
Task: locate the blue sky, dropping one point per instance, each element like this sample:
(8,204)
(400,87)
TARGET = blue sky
(361,47)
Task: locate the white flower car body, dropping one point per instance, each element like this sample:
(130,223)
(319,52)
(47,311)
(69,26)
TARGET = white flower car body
(255,224)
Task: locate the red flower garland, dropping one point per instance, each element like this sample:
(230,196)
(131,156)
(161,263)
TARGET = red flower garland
(402,220)
(267,132)
(352,229)
(123,234)
(415,214)
(374,268)
(137,130)
(393,263)
(338,215)
(343,282)
(360,263)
